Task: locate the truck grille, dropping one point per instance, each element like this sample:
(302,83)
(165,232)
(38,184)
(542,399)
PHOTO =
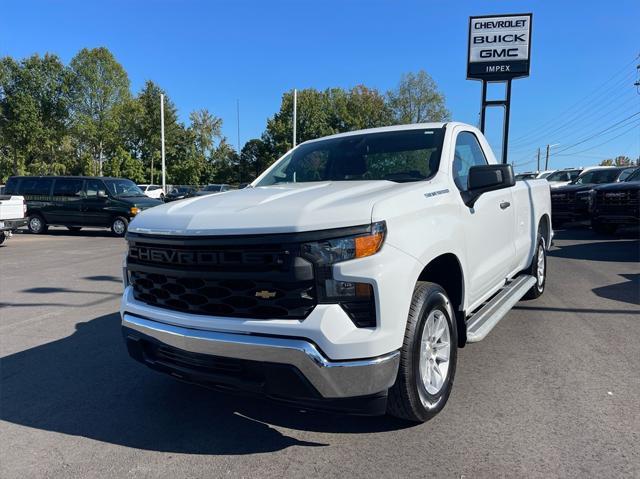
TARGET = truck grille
(251,281)
(618,201)
(561,202)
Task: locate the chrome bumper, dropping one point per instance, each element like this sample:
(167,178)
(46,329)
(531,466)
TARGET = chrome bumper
(332,379)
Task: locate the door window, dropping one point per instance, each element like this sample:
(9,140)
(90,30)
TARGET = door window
(68,187)
(95,186)
(467,154)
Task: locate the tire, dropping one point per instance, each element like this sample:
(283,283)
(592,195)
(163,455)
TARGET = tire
(74,228)
(37,225)
(414,397)
(2,237)
(119,226)
(603,228)
(538,269)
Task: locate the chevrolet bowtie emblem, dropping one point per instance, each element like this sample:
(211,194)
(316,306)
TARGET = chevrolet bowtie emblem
(265,294)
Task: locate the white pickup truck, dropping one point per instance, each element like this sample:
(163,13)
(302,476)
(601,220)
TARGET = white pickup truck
(345,277)
(12,215)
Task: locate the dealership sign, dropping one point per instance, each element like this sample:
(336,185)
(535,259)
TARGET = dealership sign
(499,47)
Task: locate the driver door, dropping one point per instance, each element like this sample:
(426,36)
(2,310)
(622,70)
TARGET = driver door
(488,226)
(95,203)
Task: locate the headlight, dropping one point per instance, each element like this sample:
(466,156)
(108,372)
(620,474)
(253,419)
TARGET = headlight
(331,251)
(134,211)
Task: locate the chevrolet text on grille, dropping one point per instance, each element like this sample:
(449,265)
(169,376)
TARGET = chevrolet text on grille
(170,256)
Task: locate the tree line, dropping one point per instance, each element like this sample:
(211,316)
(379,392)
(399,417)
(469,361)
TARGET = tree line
(82,119)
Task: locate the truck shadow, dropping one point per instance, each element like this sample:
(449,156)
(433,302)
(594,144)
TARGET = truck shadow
(614,251)
(86,385)
(627,291)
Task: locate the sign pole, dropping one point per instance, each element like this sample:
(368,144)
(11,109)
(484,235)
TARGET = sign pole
(499,50)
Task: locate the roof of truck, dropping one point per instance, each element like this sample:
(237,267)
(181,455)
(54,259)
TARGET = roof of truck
(383,129)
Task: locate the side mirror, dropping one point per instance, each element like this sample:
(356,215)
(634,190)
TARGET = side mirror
(485,178)
(101,194)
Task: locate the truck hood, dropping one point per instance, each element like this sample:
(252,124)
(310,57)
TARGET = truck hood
(622,186)
(280,208)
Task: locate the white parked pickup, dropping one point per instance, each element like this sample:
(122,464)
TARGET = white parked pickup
(12,215)
(345,277)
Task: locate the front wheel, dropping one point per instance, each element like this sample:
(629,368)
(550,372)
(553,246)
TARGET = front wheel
(119,226)
(428,357)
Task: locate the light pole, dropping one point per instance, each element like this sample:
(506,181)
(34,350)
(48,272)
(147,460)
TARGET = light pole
(295,115)
(164,179)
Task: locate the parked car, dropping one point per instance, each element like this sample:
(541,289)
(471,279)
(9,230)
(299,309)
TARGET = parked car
(211,189)
(563,177)
(346,277)
(571,202)
(78,201)
(12,215)
(616,204)
(153,191)
(180,192)
(543,175)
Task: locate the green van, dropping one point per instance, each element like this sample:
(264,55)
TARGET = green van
(77,201)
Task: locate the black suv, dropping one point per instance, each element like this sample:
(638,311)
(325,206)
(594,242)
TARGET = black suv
(617,204)
(571,202)
(77,201)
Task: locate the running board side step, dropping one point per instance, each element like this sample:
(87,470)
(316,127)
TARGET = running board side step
(485,319)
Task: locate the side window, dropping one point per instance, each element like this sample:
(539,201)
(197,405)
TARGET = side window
(12,187)
(467,154)
(93,187)
(68,187)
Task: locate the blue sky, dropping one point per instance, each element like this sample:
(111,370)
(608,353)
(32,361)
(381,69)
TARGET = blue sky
(208,54)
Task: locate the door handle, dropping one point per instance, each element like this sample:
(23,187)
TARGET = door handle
(504,205)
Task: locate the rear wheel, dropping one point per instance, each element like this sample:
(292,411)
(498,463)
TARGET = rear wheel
(428,357)
(37,225)
(119,226)
(538,270)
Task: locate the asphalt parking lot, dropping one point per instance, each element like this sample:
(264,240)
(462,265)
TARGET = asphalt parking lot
(553,391)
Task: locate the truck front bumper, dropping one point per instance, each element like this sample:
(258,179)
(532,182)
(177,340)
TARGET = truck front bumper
(289,369)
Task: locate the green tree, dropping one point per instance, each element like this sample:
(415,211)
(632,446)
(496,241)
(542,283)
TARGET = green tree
(253,159)
(148,133)
(99,85)
(123,165)
(417,99)
(33,114)
(620,160)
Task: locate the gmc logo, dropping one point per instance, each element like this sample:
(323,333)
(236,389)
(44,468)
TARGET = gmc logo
(205,258)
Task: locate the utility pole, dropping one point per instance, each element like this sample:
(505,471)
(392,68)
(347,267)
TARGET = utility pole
(538,169)
(164,179)
(546,162)
(295,115)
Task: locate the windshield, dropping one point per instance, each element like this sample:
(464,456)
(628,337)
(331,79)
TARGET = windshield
(634,176)
(544,175)
(597,177)
(400,156)
(626,173)
(122,187)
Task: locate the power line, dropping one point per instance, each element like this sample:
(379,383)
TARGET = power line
(597,134)
(587,111)
(545,126)
(633,127)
